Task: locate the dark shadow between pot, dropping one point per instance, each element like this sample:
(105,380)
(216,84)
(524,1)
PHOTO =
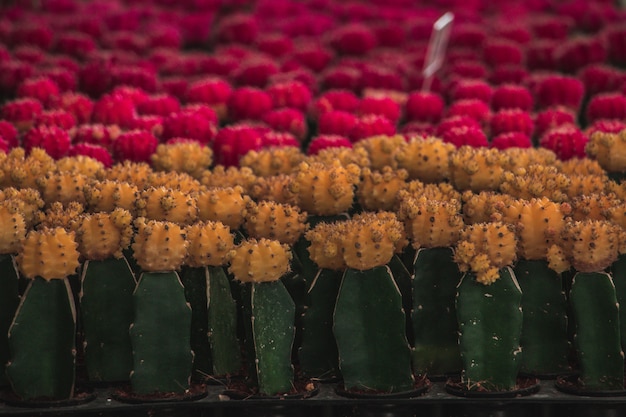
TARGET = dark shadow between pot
(81,396)
(126,395)
(570,384)
(527,386)
(421,386)
(302,389)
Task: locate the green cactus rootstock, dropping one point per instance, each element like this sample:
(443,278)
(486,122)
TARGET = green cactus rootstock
(618,273)
(318,354)
(544,330)
(160,336)
(369,327)
(42,342)
(222,324)
(107,311)
(597,338)
(435,326)
(272,314)
(404,281)
(490,327)
(9,301)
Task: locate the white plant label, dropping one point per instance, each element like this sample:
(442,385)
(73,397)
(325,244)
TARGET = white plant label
(436,51)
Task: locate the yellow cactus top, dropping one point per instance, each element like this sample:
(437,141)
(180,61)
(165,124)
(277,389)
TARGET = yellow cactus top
(538,223)
(21,171)
(325,189)
(102,236)
(209,244)
(442,191)
(580,166)
(483,207)
(178,181)
(275,221)
(484,248)
(13,229)
(536,181)
(609,149)
(108,195)
(135,173)
(220,177)
(168,205)
(264,260)
(49,254)
(430,223)
(226,205)
(276,188)
(593,206)
(478,169)
(426,159)
(379,190)
(370,240)
(65,187)
(580,185)
(346,156)
(273,161)
(524,157)
(591,245)
(325,249)
(28,200)
(382,150)
(191,157)
(159,246)
(80,164)
(57,215)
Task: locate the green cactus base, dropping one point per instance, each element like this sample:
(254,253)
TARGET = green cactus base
(597,338)
(9,301)
(160,335)
(544,330)
(618,273)
(107,311)
(369,327)
(435,325)
(404,281)
(41,341)
(490,327)
(318,354)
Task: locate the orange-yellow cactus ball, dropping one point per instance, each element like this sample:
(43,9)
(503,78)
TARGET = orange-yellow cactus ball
(274,161)
(13,229)
(80,164)
(271,220)
(325,190)
(209,244)
(59,216)
(160,203)
(426,160)
(478,169)
(178,181)
(345,156)
(609,149)
(64,187)
(190,157)
(220,177)
(159,246)
(28,201)
(264,260)
(591,245)
(382,150)
(49,254)
(276,188)
(325,249)
(226,205)
(135,173)
(104,235)
(20,171)
(379,190)
(108,195)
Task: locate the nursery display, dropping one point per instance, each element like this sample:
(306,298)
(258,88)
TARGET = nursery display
(311,200)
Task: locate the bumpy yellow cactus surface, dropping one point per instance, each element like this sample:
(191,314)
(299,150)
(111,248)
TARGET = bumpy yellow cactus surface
(159,246)
(21,171)
(262,260)
(28,200)
(209,244)
(65,187)
(226,205)
(13,229)
(580,166)
(81,164)
(49,254)
(273,161)
(426,160)
(104,235)
(275,188)
(346,156)
(591,245)
(524,157)
(178,181)
(609,149)
(483,206)
(593,206)
(275,221)
(132,172)
(484,248)
(478,169)
(382,150)
(536,181)
(379,190)
(108,195)
(325,189)
(581,185)
(370,240)
(59,216)
(190,157)
(430,223)
(326,245)
(538,224)
(160,203)
(220,177)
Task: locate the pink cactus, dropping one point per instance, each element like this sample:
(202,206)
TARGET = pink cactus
(53,139)
(476,109)
(382,106)
(511,120)
(551,118)
(511,140)
(353,39)
(96,134)
(456,121)
(60,118)
(21,112)
(279,140)
(41,88)
(577,52)
(192,125)
(606,106)
(565,141)
(158,105)
(9,134)
(465,135)
(605,126)
(287,120)
(502,52)
(135,146)
(559,90)
(248,103)
(511,96)
(371,125)
(293,94)
(76,44)
(472,89)
(337,122)
(424,107)
(213,91)
(232,142)
(78,104)
(64,78)
(114,109)
(327,141)
(344,100)
(93,151)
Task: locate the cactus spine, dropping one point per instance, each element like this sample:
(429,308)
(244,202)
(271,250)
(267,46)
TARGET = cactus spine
(490,326)
(597,337)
